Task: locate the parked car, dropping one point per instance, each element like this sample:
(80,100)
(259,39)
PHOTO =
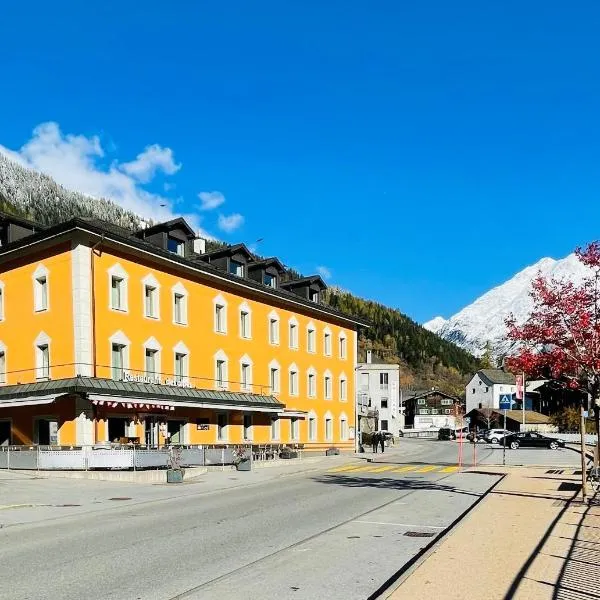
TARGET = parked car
(479,436)
(495,435)
(531,439)
(461,432)
(445,433)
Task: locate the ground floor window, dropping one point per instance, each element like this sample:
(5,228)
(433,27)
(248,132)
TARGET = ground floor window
(274,428)
(176,431)
(46,432)
(312,428)
(247,427)
(118,427)
(221,426)
(294,429)
(328,429)
(384,424)
(343,429)
(5,433)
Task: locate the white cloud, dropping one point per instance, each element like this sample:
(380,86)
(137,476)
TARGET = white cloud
(153,159)
(324,272)
(74,161)
(210,200)
(231,222)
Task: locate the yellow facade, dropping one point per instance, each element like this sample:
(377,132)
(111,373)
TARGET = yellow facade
(321,421)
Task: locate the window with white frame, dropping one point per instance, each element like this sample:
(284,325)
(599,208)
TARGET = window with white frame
(180,311)
(181,359)
(343,346)
(150,301)
(2,365)
(311,338)
(43,351)
(274,382)
(236,268)
(117,278)
(421,401)
(447,411)
(151,359)
(343,428)
(118,361)
(275,428)
(447,401)
(294,429)
(221,380)
(220,314)
(328,385)
(247,426)
(293,334)
(246,373)
(245,321)
(293,381)
(328,427)
(222,433)
(311,383)
(343,389)
(41,287)
(273,328)
(423,411)
(312,427)
(327,342)
(383,381)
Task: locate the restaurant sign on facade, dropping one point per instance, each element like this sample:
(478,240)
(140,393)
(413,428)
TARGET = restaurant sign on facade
(156,380)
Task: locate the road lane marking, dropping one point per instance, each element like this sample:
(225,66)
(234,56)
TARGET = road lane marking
(363,469)
(411,525)
(344,468)
(449,469)
(404,469)
(427,468)
(383,469)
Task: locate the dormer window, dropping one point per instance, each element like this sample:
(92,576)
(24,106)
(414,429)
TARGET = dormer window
(236,268)
(175,246)
(314,296)
(270,280)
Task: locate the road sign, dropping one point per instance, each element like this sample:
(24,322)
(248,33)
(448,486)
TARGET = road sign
(505,401)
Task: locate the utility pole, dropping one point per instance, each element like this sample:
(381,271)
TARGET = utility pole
(583,457)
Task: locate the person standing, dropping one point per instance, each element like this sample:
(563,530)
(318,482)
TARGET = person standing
(382,442)
(375,441)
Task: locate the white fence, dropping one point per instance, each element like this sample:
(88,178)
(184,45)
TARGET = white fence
(574,438)
(90,457)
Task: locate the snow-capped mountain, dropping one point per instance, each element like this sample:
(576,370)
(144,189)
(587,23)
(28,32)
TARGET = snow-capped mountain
(483,321)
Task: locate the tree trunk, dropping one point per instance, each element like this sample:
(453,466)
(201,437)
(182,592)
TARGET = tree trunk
(597,422)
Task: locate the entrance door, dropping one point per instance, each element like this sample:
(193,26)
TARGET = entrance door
(5,433)
(151,430)
(175,429)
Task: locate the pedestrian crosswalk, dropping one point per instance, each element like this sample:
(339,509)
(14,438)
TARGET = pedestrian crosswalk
(350,469)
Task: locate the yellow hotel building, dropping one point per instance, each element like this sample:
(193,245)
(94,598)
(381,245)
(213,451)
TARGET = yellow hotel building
(107,334)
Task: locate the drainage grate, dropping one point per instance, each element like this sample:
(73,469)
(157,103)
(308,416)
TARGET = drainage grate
(120,498)
(419,534)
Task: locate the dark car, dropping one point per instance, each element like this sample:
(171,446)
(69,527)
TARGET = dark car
(445,433)
(530,439)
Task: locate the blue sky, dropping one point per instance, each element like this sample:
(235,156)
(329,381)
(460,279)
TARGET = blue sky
(421,152)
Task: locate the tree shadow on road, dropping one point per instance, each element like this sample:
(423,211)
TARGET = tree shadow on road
(389,483)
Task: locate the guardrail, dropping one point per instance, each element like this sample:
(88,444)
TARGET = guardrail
(84,458)
(573,438)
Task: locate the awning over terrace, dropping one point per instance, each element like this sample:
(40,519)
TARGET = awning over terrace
(127,394)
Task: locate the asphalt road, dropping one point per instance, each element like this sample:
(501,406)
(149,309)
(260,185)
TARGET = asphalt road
(333,532)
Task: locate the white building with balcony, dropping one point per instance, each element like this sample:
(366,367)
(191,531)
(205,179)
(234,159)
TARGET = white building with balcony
(378,396)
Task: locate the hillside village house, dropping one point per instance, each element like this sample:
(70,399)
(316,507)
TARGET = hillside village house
(378,395)
(431,409)
(107,334)
(487,385)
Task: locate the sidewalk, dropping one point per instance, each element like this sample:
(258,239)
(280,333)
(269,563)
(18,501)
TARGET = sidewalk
(529,539)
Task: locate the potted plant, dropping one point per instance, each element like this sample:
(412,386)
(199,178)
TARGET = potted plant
(241,458)
(174,471)
(287,452)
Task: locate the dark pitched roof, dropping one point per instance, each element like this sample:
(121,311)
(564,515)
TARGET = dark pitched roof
(493,376)
(120,235)
(266,262)
(431,393)
(128,389)
(172,224)
(8,218)
(292,283)
(226,251)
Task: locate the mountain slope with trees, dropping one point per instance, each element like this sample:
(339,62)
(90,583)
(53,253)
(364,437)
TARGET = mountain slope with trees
(425,359)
